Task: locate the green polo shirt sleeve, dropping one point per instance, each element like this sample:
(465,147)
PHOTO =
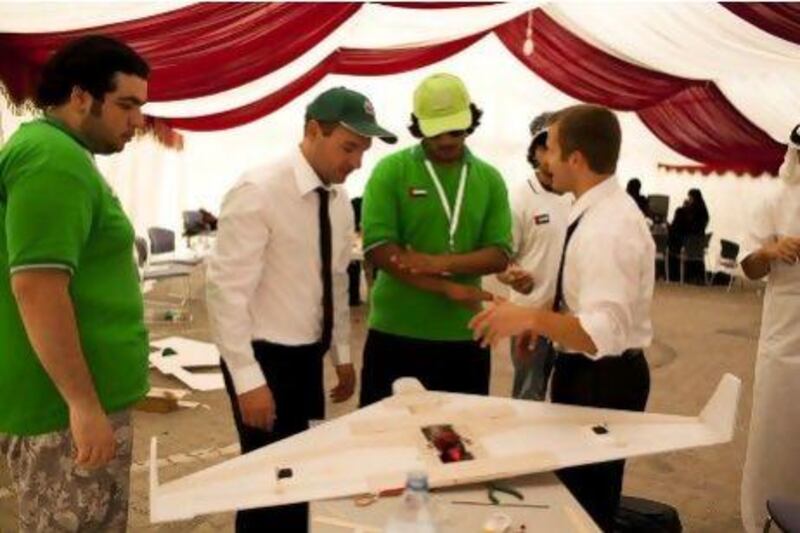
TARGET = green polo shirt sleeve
(379,216)
(49,212)
(496,229)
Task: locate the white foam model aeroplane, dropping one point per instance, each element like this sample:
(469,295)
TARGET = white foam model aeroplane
(455,438)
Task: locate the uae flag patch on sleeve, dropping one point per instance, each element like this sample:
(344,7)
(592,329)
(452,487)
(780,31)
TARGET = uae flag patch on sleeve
(544,218)
(415,192)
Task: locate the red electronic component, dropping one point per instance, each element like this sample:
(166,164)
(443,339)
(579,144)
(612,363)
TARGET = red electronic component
(448,443)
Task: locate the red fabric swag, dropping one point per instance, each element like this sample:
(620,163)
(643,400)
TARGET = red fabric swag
(699,123)
(344,61)
(208,48)
(692,117)
(781,19)
(195,51)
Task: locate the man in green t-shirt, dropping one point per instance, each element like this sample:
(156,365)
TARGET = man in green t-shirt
(435,219)
(73,345)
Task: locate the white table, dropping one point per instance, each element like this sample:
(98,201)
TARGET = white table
(560,513)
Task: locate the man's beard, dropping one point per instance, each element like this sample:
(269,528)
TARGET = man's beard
(546,186)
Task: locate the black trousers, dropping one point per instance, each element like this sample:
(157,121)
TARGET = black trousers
(452,366)
(620,382)
(294,375)
(354,283)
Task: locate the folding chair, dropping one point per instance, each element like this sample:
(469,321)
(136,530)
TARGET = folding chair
(727,261)
(153,273)
(661,239)
(658,205)
(693,251)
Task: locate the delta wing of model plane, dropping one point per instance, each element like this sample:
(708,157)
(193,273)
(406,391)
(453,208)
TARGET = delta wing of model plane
(455,438)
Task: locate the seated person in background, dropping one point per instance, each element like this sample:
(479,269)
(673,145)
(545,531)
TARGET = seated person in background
(690,219)
(634,189)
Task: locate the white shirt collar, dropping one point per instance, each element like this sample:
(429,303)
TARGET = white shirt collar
(535,186)
(592,197)
(306,179)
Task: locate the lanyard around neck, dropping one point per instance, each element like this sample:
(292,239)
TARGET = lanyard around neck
(454,215)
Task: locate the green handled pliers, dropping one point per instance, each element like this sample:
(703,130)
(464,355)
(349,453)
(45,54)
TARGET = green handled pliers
(502,487)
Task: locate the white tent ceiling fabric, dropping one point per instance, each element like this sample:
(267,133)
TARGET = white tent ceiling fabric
(695,40)
(40,17)
(758,72)
(692,40)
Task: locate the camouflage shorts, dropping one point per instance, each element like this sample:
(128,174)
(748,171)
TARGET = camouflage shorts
(55,495)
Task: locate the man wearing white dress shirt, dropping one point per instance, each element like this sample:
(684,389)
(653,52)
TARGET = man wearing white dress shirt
(277,284)
(603,294)
(539,224)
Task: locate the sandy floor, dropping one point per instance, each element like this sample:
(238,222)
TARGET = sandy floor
(701,333)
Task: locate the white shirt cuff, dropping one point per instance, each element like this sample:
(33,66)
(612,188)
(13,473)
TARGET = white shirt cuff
(340,354)
(247,378)
(749,247)
(596,326)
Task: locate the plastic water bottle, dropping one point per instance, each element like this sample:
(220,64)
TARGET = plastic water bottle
(414,514)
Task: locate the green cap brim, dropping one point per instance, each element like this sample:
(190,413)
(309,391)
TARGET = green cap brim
(431,127)
(368,129)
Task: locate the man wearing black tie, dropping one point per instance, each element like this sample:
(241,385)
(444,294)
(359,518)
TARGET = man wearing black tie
(601,319)
(277,284)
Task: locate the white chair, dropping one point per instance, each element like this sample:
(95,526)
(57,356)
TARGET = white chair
(153,273)
(163,252)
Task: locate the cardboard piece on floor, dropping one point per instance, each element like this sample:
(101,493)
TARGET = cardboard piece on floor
(167,392)
(360,453)
(188,404)
(199,381)
(189,354)
(161,400)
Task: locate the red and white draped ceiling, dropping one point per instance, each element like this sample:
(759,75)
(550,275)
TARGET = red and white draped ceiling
(717,83)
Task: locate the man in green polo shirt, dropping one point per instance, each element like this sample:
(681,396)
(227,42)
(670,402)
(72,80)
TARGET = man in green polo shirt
(435,219)
(73,346)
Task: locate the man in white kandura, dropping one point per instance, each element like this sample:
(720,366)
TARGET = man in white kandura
(772,247)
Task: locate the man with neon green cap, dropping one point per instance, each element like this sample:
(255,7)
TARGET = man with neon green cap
(435,218)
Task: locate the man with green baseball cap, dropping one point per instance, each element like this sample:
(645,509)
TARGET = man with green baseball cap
(350,109)
(435,218)
(277,284)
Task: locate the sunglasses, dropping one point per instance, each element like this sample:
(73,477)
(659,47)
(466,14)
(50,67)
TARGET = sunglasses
(457,134)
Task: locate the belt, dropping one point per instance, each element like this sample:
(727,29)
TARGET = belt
(631,353)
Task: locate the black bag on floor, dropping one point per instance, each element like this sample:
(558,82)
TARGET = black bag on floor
(637,515)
